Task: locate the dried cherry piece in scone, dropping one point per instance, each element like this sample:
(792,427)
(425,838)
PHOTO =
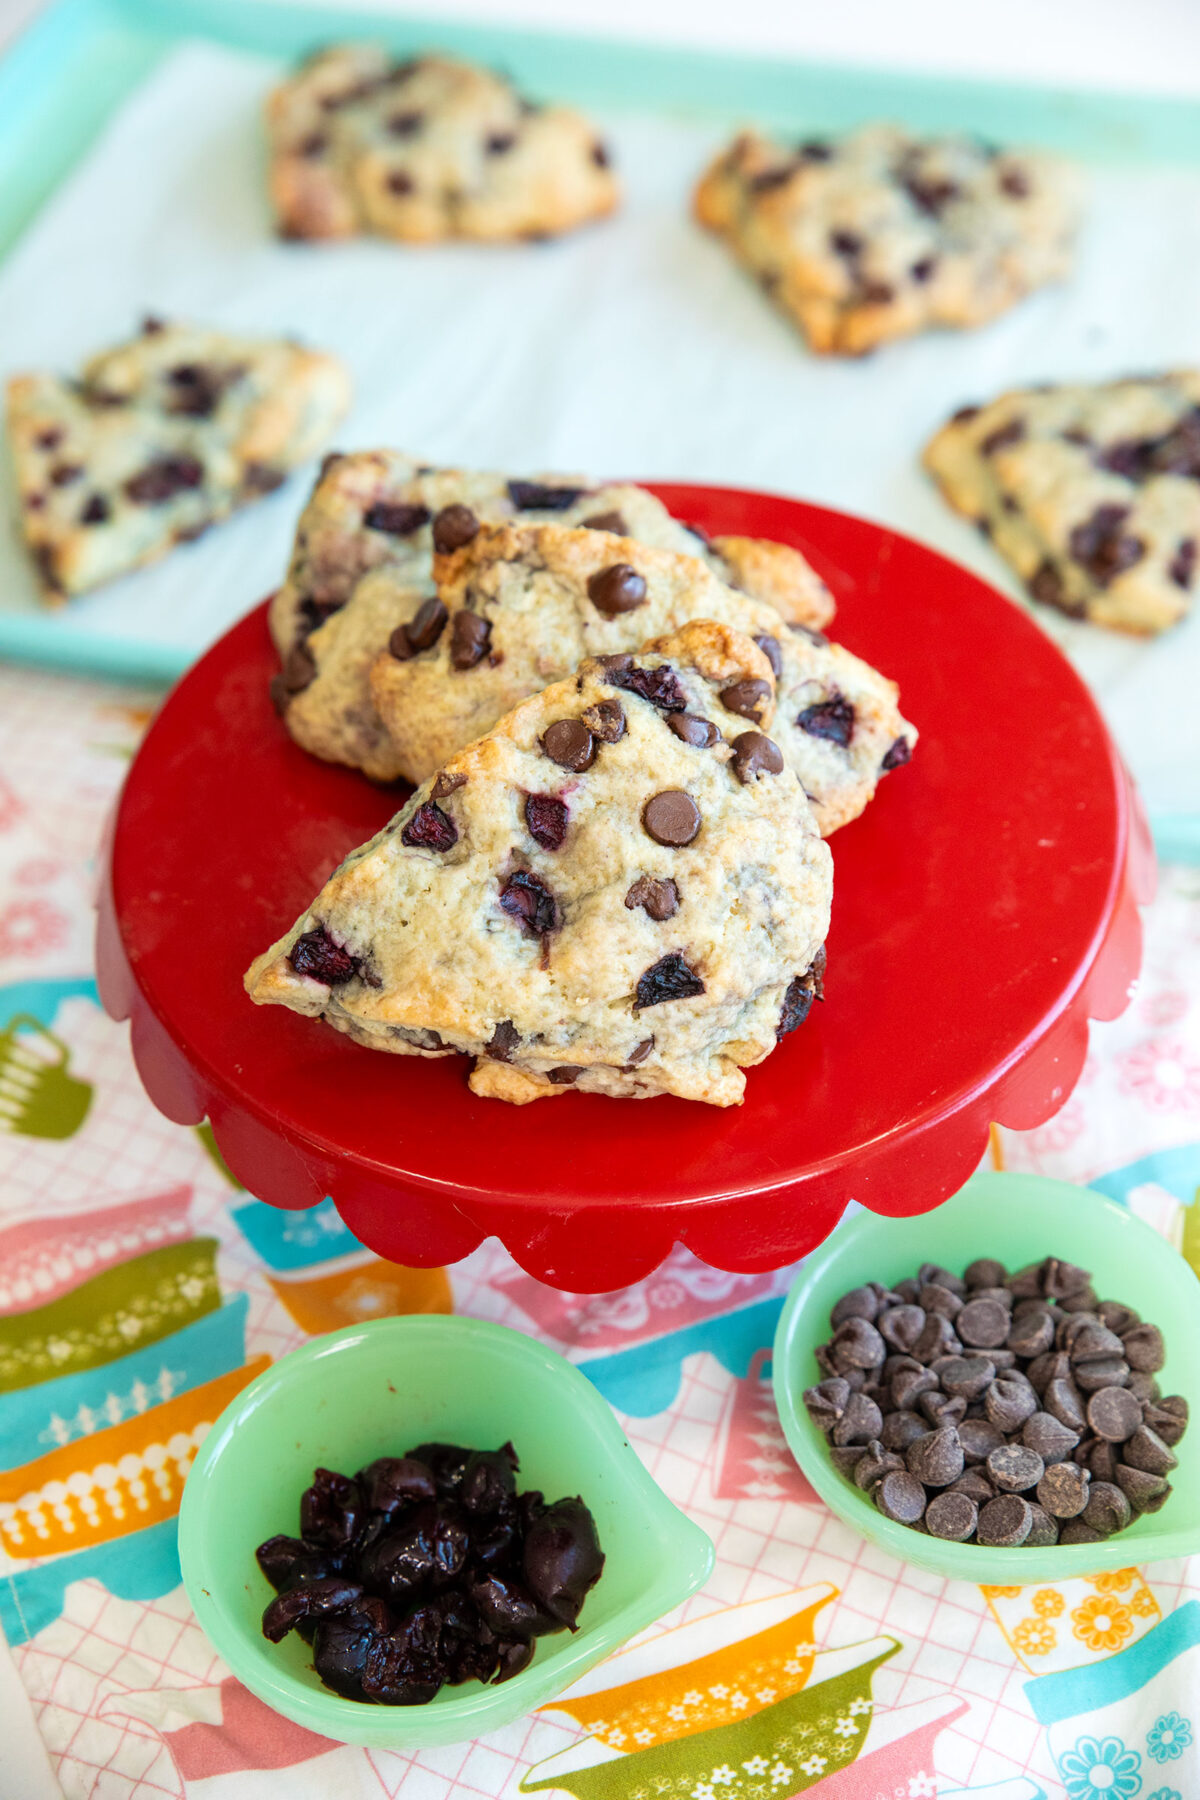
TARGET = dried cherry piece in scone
(829,719)
(546,817)
(430,829)
(396,518)
(670,978)
(331,1510)
(526,897)
(539,496)
(1103,547)
(661,686)
(488,1480)
(562,1559)
(316,955)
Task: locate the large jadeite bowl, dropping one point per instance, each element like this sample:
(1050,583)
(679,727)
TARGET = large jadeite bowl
(376,1390)
(1020,1219)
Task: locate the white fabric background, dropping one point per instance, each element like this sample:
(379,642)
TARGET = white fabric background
(636,349)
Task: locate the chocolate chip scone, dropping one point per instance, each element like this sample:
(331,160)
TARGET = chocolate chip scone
(427,149)
(879,235)
(518,606)
(621,888)
(1092,493)
(158,440)
(374,509)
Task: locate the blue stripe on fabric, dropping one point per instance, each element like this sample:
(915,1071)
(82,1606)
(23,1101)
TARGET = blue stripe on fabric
(1177,1170)
(42,999)
(294,1240)
(142,1566)
(209,1347)
(645,1380)
(1074,1691)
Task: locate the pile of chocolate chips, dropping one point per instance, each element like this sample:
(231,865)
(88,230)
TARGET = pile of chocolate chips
(998,1409)
(427,1569)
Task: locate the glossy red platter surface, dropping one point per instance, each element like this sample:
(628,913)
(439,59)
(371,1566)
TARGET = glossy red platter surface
(985,907)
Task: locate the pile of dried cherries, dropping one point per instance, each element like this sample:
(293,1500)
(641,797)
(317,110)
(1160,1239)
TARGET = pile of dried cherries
(427,1569)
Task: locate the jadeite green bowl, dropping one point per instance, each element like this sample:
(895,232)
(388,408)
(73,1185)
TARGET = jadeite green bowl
(375,1390)
(1019,1219)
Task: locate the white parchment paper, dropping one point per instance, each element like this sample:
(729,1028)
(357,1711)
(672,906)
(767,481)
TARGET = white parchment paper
(633,349)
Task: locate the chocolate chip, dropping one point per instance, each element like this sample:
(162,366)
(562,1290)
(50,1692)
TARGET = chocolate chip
(1046,584)
(498,143)
(965,414)
(526,897)
(748,699)
(1169,1418)
(1104,1371)
(936,1298)
(826,1402)
(1014,1468)
(1055,1365)
(1089,1341)
(96,511)
(897,754)
(1015,183)
(774,655)
(952,1516)
(607,521)
(396,518)
(430,829)
(469,639)
(937,1338)
(1065,1402)
(423,629)
(967,1375)
(931,194)
(1146,1450)
(1113,1413)
(164,478)
(1005,1522)
(570,744)
(1003,437)
(983,1324)
(1102,547)
(454,527)
(503,1041)
(50,438)
(754,754)
(923,268)
(767,179)
(1032,1334)
(659,899)
(1008,1403)
(878,293)
(1144,1386)
(617,589)
(670,978)
(1078,1532)
(900,1497)
(942,1409)
(937,1458)
(605,720)
(870,1469)
(299,669)
(857,1344)
(639,1053)
(540,496)
(64,474)
(1108,1509)
(1044,1530)
(546,818)
(901,1428)
(902,1325)
(700,733)
(859,1303)
(979,1437)
(314,144)
(316,955)
(975,1484)
(1139,1486)
(1182,566)
(400,182)
(860,1422)
(446,783)
(260,478)
(846,1457)
(829,719)
(985,1272)
(847,243)
(672,818)
(909,1384)
(1143,1347)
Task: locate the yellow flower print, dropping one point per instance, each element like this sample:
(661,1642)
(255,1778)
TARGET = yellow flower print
(1102,1623)
(1048,1603)
(1000,1593)
(1035,1637)
(1143,1603)
(1113,1581)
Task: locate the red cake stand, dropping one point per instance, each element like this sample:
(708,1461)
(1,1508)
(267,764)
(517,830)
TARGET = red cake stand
(985,908)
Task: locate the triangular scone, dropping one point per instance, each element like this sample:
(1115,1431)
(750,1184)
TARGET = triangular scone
(620,888)
(519,605)
(159,439)
(879,234)
(1092,493)
(426,149)
(374,509)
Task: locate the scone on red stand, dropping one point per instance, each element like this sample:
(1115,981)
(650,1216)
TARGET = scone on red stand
(620,888)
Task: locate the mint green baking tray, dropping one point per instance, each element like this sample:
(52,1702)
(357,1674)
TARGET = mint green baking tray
(72,69)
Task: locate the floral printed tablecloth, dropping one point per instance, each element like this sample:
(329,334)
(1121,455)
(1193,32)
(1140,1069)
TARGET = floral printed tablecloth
(140,1289)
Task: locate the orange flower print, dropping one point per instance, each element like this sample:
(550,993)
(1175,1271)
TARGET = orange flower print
(1114,1581)
(1048,1603)
(1034,1637)
(1102,1623)
(1143,1603)
(1000,1593)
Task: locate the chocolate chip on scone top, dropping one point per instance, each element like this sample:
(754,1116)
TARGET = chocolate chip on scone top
(526,603)
(425,149)
(634,909)
(1090,492)
(877,235)
(375,509)
(157,440)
